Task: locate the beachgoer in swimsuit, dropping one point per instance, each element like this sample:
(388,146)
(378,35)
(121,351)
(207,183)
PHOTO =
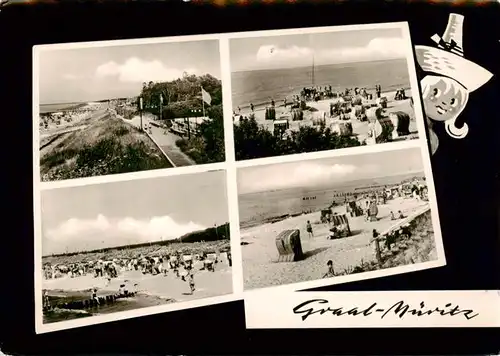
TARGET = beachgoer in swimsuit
(309,229)
(330,272)
(190,280)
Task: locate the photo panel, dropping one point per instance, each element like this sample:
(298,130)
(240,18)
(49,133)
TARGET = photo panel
(104,108)
(124,249)
(308,90)
(339,218)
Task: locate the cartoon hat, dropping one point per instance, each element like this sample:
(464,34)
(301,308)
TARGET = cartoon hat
(447,59)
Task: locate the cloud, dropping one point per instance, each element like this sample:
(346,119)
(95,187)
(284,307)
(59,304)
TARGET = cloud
(136,70)
(71,76)
(376,49)
(84,234)
(304,174)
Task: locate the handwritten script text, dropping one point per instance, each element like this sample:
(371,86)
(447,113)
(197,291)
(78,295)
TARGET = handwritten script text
(399,309)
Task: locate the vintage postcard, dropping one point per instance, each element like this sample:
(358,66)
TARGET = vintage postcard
(126,106)
(117,250)
(321,89)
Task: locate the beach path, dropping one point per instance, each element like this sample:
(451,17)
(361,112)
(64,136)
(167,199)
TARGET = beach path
(165,139)
(260,254)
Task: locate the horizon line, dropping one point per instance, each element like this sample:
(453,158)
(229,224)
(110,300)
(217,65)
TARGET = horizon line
(137,243)
(128,97)
(346,181)
(318,65)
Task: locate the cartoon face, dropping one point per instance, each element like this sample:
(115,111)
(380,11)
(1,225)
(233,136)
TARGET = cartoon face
(444,98)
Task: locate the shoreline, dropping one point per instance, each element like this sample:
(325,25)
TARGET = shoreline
(261,105)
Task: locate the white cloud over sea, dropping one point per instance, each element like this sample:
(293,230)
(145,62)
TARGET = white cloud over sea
(376,49)
(83,234)
(302,174)
(136,70)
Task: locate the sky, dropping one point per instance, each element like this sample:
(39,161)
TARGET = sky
(292,51)
(88,74)
(121,213)
(312,173)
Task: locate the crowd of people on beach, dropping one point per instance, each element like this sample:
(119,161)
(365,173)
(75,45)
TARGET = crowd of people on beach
(317,93)
(66,117)
(182,266)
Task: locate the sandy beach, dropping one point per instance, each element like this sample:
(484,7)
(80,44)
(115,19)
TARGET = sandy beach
(259,252)
(169,288)
(360,129)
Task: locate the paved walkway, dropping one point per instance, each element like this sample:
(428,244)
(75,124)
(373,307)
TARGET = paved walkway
(166,141)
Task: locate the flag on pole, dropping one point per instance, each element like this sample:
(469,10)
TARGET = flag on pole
(205,96)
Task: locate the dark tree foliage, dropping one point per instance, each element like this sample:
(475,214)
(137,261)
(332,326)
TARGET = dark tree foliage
(208,145)
(181,96)
(254,141)
(182,99)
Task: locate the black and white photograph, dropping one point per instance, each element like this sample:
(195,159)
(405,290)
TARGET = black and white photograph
(124,246)
(120,108)
(325,218)
(307,92)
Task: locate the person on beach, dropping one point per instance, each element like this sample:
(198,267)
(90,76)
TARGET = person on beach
(375,240)
(46,301)
(309,229)
(251,107)
(94,295)
(401,216)
(330,272)
(239,109)
(190,280)
(229,259)
(272,102)
(164,266)
(392,216)
(284,102)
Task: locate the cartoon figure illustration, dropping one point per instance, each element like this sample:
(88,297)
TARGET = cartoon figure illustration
(449,81)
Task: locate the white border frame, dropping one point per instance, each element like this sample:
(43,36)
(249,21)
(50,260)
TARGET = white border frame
(230,165)
(420,142)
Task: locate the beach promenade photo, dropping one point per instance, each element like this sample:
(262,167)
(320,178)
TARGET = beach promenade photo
(323,218)
(127,108)
(128,245)
(307,92)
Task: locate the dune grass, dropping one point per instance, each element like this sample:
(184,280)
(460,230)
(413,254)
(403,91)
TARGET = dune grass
(419,248)
(107,146)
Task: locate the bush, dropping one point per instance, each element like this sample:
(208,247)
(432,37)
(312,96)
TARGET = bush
(107,156)
(208,145)
(253,141)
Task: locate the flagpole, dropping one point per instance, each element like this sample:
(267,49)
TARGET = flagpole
(202,101)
